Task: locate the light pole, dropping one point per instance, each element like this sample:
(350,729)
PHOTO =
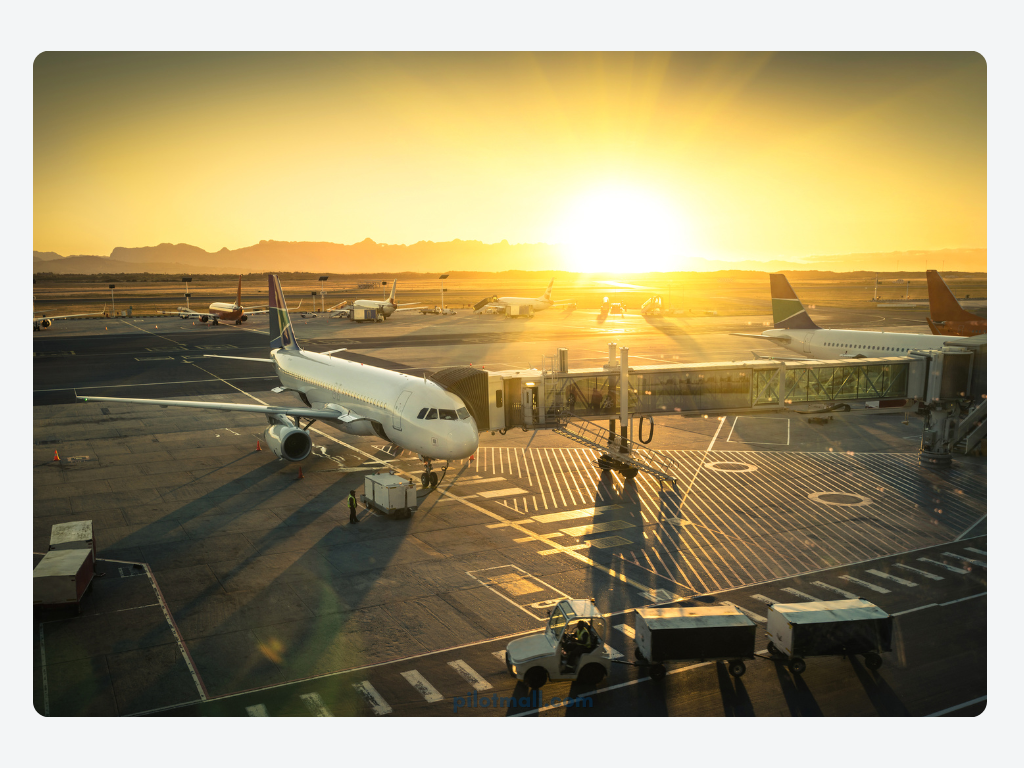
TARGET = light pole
(323,292)
(113,310)
(188,295)
(442,277)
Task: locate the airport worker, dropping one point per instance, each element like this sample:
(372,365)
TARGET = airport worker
(352,507)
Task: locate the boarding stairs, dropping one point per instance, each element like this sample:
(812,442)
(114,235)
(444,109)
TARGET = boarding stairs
(610,445)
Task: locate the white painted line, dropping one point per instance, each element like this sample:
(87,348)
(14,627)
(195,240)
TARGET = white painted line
(611,653)
(866,585)
(627,630)
(257,710)
(417,681)
(499,655)
(837,590)
(470,675)
(977,551)
(979,563)
(918,571)
(374,699)
(801,595)
(951,602)
(952,568)
(316,705)
(763,599)
(947,710)
(890,577)
(911,610)
(750,614)
(534,538)
(500,492)
(729,438)
(938,605)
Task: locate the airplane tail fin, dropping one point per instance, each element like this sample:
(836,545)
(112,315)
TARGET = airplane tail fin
(238,299)
(391,298)
(942,304)
(547,293)
(787,310)
(282,335)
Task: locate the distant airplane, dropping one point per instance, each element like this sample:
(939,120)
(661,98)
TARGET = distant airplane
(498,303)
(385,308)
(413,413)
(220,312)
(948,318)
(44,322)
(795,330)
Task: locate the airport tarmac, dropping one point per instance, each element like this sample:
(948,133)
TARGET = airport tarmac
(251,578)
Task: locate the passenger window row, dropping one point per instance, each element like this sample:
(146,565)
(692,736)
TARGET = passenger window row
(865,346)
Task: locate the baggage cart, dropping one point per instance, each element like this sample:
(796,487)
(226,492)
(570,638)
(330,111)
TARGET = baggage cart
(75,535)
(62,577)
(678,633)
(390,494)
(828,628)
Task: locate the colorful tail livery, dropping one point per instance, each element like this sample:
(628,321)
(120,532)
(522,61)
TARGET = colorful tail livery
(948,318)
(787,311)
(282,335)
(547,293)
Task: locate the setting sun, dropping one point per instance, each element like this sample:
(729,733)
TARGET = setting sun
(609,229)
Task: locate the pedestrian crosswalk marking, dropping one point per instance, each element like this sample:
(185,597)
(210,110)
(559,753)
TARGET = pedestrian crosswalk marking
(867,585)
(470,675)
(837,590)
(977,551)
(918,571)
(759,619)
(315,705)
(952,568)
(978,563)
(627,630)
(801,595)
(374,699)
(257,710)
(417,681)
(890,577)
(500,492)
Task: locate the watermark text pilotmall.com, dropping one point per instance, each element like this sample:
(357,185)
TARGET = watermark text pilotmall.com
(535,700)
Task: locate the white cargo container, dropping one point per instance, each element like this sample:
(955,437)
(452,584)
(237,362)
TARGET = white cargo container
(829,628)
(74,535)
(390,493)
(706,633)
(519,310)
(361,315)
(62,577)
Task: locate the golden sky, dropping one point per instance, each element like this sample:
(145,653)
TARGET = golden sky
(724,156)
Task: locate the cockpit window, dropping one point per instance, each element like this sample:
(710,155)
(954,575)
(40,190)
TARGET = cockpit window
(463,413)
(422,413)
(432,414)
(448,415)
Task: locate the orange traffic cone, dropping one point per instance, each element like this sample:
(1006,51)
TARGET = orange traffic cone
(260,449)
(55,456)
(471,458)
(300,472)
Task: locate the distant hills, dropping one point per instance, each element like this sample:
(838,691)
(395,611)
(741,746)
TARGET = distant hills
(425,256)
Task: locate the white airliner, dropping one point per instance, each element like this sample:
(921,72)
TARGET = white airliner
(500,302)
(795,330)
(413,413)
(44,322)
(385,308)
(223,312)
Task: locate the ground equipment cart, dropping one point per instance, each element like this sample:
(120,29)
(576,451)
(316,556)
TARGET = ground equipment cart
(678,633)
(390,493)
(828,628)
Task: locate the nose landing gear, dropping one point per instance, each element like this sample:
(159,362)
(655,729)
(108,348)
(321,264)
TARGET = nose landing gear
(429,478)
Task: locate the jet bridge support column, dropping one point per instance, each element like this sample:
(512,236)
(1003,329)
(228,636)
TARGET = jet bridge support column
(624,400)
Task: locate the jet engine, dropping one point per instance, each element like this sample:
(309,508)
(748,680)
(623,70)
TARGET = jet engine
(244,318)
(203,318)
(288,442)
(44,323)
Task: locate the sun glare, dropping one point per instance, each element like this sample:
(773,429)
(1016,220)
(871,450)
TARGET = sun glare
(622,230)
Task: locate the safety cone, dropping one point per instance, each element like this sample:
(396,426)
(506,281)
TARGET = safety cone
(55,456)
(300,472)
(260,449)
(473,457)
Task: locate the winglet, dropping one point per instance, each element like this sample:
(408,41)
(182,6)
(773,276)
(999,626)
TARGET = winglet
(787,310)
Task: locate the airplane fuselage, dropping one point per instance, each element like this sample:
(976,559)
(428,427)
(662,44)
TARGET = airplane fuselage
(537,304)
(386,308)
(227,313)
(829,344)
(414,413)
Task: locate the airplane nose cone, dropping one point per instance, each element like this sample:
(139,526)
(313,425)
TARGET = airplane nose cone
(462,441)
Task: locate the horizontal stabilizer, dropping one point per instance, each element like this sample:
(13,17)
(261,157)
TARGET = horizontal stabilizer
(250,359)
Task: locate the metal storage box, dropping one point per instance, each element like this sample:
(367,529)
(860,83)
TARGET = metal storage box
(715,632)
(359,314)
(62,577)
(829,627)
(389,492)
(76,535)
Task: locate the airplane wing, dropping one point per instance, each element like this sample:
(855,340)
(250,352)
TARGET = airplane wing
(408,309)
(774,339)
(62,317)
(305,413)
(250,359)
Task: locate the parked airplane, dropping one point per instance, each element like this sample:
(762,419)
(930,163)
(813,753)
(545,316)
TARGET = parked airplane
(221,312)
(948,318)
(795,330)
(415,414)
(44,322)
(385,308)
(498,303)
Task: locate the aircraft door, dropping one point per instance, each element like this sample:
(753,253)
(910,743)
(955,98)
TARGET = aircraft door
(403,398)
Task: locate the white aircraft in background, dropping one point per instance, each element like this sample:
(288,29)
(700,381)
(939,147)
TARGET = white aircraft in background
(44,322)
(498,303)
(385,307)
(413,413)
(795,330)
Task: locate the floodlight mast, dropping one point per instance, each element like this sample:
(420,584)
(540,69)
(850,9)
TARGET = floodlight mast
(113,309)
(188,295)
(323,291)
(442,277)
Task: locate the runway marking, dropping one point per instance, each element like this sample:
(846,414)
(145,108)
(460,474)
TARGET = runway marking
(417,681)
(979,563)
(611,653)
(918,571)
(700,465)
(750,614)
(257,710)
(316,705)
(556,517)
(374,699)
(800,594)
(766,600)
(956,707)
(866,584)
(501,492)
(837,590)
(890,577)
(470,675)
(952,568)
(977,551)
(138,327)
(586,530)
(627,630)
(531,538)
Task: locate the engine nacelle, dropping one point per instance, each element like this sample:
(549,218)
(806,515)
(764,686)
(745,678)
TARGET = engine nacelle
(203,318)
(44,323)
(288,442)
(244,318)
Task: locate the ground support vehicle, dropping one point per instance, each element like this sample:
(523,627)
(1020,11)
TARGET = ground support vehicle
(828,628)
(571,647)
(361,315)
(678,633)
(519,310)
(390,494)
